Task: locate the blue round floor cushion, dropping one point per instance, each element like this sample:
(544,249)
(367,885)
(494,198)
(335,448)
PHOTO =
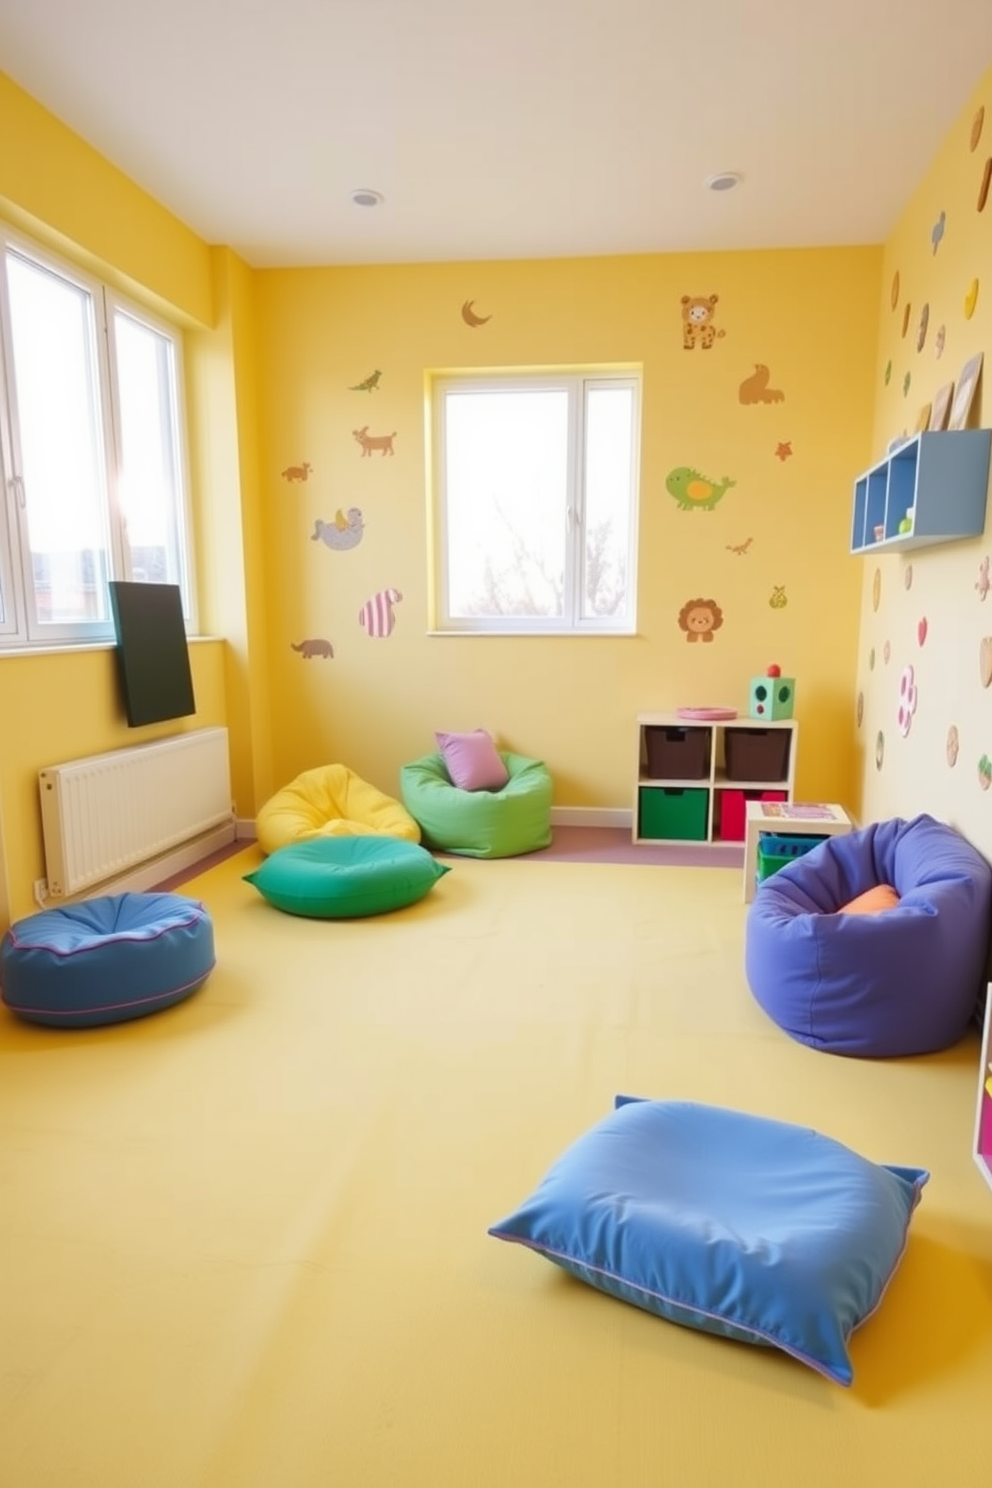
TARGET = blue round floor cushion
(106,960)
(337,878)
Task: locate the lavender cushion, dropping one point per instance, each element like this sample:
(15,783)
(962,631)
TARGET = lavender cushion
(473,761)
(885,985)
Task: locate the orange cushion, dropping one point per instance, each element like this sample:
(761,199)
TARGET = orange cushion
(872,901)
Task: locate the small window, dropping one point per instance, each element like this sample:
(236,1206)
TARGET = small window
(535,513)
(92,447)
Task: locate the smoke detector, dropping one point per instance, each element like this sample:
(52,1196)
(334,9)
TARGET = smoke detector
(724,180)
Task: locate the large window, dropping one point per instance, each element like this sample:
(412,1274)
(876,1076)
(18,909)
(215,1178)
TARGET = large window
(535,503)
(92,449)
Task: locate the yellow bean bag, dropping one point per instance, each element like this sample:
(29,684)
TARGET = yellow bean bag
(331,801)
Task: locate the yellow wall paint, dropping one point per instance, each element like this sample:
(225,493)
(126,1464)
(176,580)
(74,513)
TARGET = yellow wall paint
(810,316)
(63,705)
(55,185)
(915,774)
(224,456)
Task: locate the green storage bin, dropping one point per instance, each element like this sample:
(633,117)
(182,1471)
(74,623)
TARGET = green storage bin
(672,812)
(774,852)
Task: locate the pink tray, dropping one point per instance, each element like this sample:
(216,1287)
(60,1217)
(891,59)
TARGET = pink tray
(705,715)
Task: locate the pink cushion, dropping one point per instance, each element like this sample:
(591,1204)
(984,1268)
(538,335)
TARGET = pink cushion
(473,761)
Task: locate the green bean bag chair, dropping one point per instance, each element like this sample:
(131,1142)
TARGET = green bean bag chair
(501,823)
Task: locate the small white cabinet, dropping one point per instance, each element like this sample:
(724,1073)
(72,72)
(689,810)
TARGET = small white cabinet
(694,779)
(935,486)
(983,1115)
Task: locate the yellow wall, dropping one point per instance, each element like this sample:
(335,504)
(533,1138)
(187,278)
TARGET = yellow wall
(62,705)
(941,584)
(227,521)
(810,316)
(271,357)
(56,186)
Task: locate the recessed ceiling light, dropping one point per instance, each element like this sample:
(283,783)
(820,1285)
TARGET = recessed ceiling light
(363,197)
(724,180)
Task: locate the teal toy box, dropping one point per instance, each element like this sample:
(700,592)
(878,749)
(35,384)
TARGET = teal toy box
(771,696)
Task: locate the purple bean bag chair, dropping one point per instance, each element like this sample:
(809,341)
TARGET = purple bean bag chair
(904,981)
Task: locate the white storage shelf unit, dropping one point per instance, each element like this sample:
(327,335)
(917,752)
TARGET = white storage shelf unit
(983,1115)
(935,482)
(689,783)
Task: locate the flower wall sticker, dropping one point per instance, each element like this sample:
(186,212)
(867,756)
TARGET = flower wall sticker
(907,701)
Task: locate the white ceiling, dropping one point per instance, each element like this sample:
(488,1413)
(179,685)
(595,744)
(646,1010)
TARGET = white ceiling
(507,128)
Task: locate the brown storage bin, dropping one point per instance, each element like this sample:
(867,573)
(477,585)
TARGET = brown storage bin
(677,753)
(757,754)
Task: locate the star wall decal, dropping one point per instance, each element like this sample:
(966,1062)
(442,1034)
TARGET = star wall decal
(784,450)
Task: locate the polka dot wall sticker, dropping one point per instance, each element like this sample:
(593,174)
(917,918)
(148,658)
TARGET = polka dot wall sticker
(860,710)
(876,589)
(937,231)
(921,629)
(983,582)
(895,289)
(953,746)
(940,336)
(921,334)
(888,373)
(907,312)
(985,661)
(871,659)
(986,182)
(887,653)
(907,380)
(976,128)
(971,299)
(907,577)
(985,772)
(879,750)
(907,701)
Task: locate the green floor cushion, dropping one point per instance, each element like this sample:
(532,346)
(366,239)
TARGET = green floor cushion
(480,823)
(338,878)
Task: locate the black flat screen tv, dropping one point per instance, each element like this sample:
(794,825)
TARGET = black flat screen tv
(152,654)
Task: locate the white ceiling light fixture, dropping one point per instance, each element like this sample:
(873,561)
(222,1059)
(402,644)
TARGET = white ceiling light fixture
(364,197)
(724,180)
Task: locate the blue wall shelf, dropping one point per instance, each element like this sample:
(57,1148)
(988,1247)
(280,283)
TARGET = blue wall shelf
(938,482)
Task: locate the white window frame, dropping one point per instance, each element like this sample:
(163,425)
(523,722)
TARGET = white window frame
(577,382)
(19,622)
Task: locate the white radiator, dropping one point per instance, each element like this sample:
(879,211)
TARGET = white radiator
(103,815)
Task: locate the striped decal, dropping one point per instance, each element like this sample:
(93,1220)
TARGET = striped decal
(376,614)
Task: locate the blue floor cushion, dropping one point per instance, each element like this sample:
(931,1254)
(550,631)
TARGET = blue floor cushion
(336,878)
(731,1223)
(106,960)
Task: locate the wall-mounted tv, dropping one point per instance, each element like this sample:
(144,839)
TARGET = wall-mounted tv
(152,654)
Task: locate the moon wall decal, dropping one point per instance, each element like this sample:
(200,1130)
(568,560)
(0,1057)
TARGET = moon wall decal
(469,316)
